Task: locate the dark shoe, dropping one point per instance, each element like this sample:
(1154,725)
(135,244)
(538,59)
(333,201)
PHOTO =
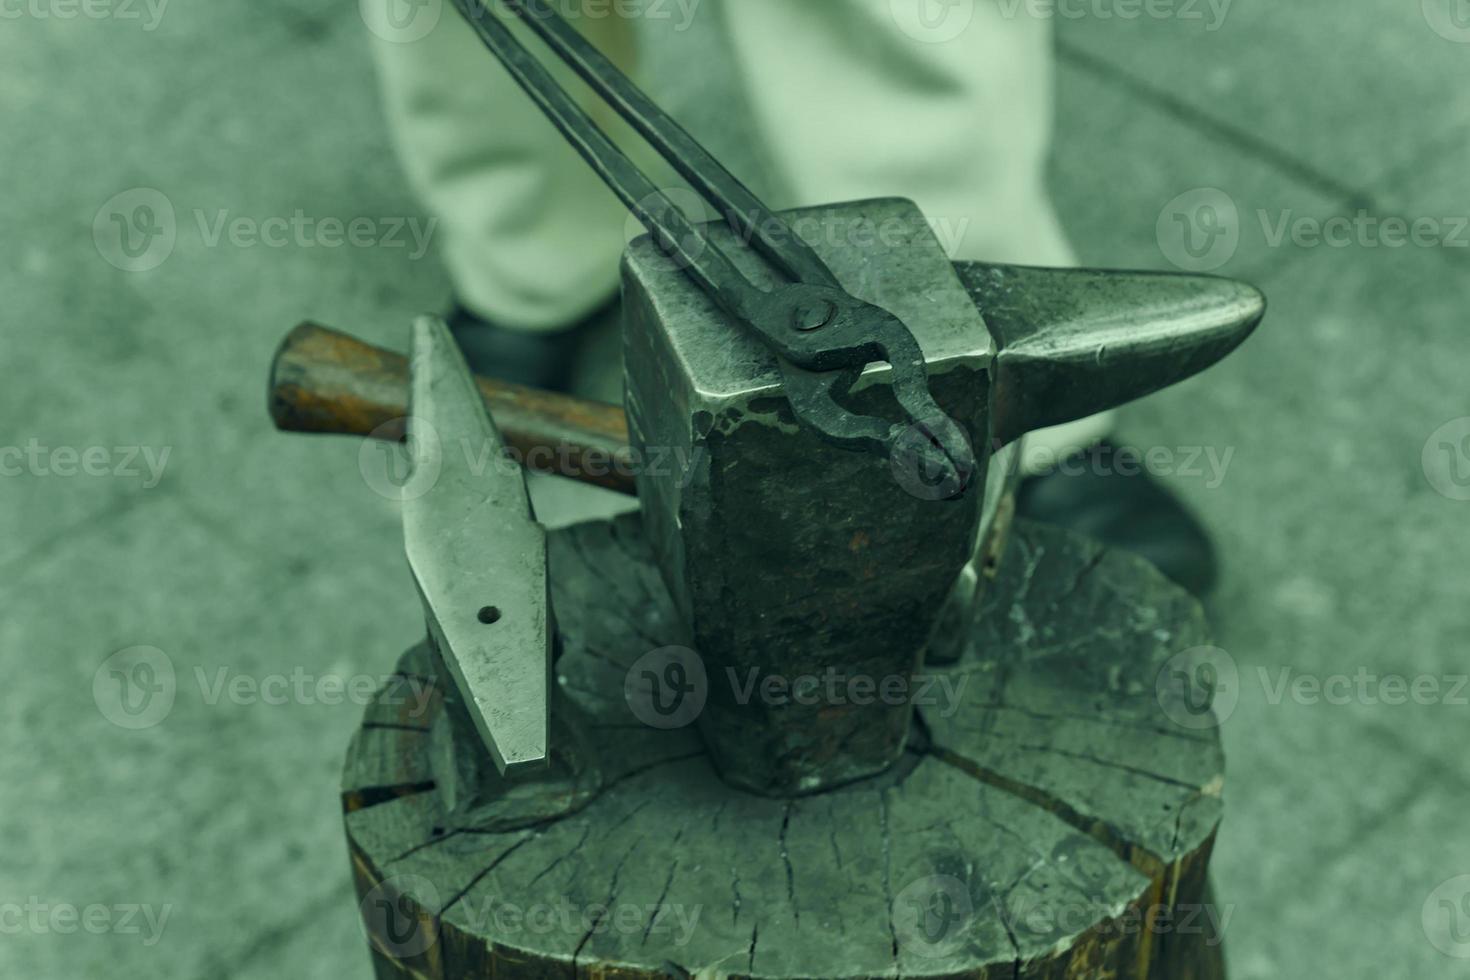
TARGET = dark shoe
(1134,512)
(535,358)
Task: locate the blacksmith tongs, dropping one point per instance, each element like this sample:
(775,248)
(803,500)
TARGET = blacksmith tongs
(823,337)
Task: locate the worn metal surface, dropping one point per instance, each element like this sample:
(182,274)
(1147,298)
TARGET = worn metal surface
(478,556)
(787,556)
(1075,342)
(1071,343)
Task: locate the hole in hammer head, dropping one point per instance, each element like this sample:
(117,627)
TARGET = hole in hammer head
(490,615)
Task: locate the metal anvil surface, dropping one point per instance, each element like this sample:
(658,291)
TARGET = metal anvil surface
(800,568)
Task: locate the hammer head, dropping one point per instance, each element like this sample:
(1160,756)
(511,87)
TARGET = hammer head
(808,576)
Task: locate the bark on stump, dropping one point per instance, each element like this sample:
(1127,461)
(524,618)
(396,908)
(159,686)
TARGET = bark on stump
(1053,820)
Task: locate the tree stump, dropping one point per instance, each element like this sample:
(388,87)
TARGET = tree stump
(1052,817)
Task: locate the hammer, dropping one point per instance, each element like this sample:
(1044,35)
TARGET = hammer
(327,382)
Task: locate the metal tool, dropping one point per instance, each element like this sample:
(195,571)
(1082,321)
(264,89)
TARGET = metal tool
(478,555)
(822,336)
(1053,345)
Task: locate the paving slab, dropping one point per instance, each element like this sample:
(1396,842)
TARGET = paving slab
(1346,96)
(1138,188)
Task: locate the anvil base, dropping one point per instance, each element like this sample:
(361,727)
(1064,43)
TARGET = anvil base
(1053,818)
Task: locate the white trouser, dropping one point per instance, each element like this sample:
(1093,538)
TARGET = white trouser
(947,102)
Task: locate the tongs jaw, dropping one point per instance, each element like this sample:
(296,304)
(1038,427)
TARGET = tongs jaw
(823,336)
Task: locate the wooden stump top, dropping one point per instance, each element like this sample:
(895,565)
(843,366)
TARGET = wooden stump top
(1061,793)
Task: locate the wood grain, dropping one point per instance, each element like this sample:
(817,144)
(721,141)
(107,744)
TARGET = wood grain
(1056,813)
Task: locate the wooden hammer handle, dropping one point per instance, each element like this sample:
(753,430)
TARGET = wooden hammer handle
(324,381)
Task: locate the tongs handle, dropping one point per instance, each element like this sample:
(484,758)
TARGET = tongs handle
(673,231)
(757,224)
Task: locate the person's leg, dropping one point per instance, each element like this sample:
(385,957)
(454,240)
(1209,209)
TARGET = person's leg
(531,236)
(949,104)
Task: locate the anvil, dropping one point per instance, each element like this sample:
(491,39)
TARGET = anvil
(790,558)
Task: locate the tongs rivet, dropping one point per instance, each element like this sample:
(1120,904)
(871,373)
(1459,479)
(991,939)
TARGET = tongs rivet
(814,316)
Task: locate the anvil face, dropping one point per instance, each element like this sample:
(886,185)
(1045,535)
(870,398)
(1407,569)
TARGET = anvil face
(808,576)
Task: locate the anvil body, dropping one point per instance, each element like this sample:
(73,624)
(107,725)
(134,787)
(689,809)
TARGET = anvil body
(800,568)
(793,562)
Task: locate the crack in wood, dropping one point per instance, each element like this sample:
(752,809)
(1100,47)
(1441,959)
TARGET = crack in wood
(500,859)
(370,796)
(786,860)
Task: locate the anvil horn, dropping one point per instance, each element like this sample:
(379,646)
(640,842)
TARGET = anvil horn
(1075,342)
